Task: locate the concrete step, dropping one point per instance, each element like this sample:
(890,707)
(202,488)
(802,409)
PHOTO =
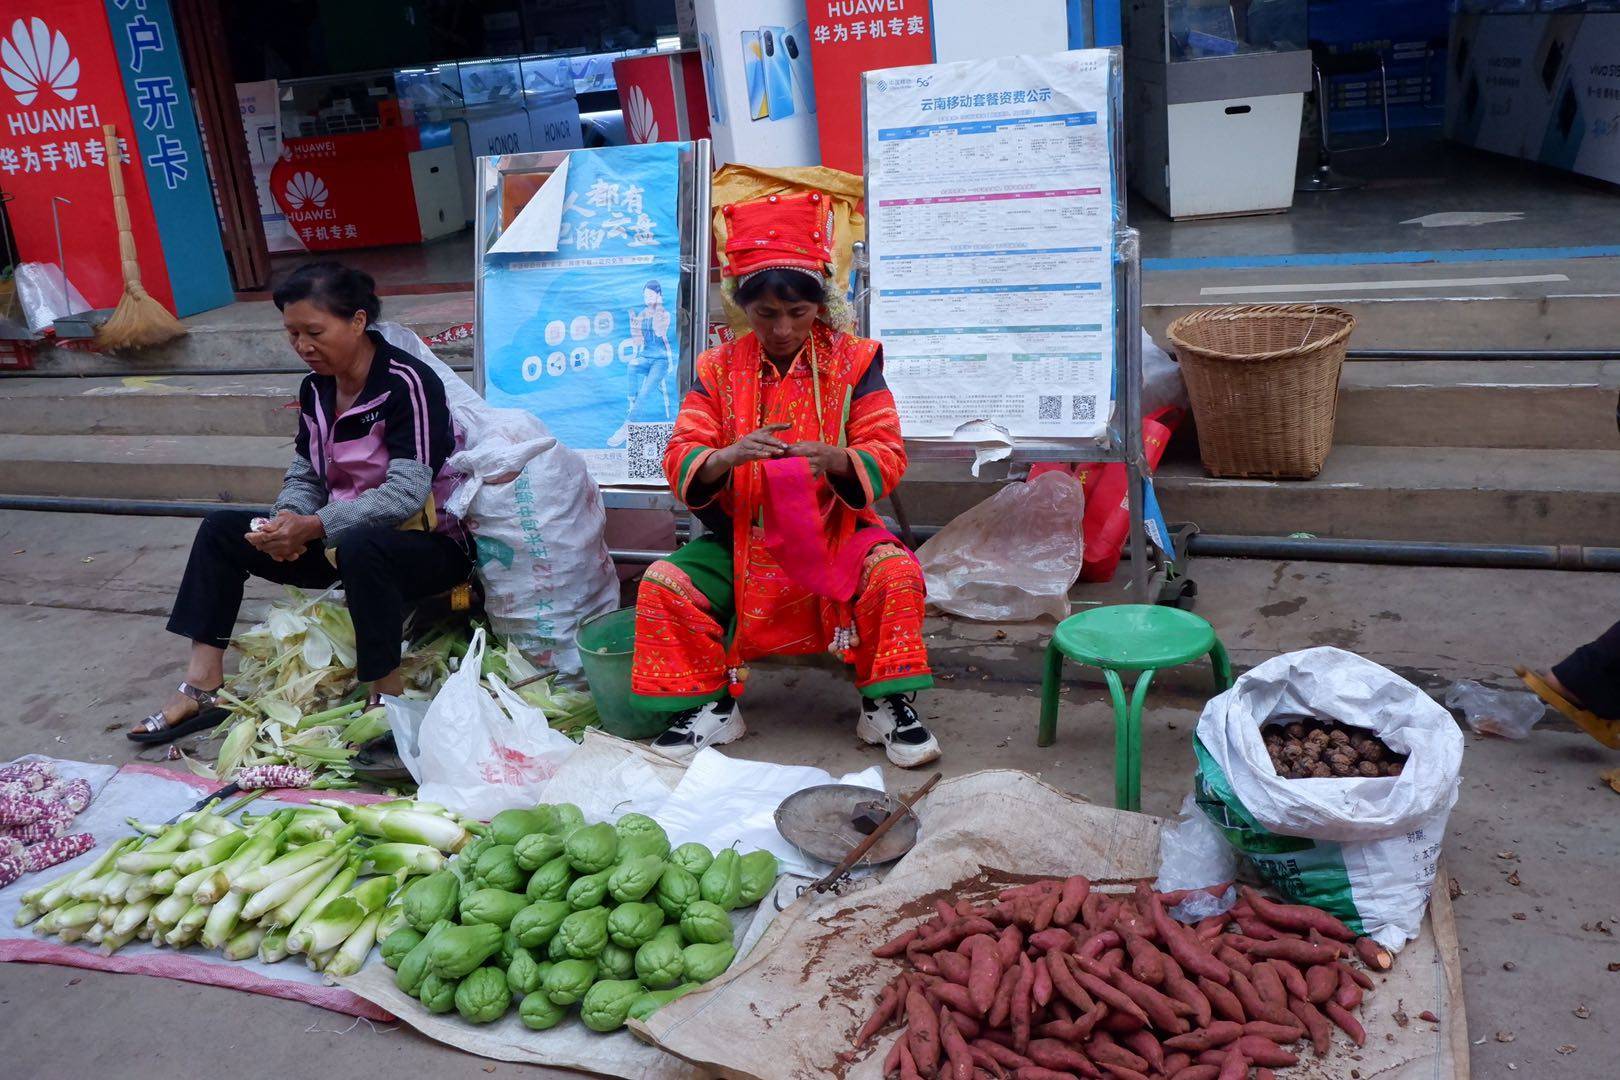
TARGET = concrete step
(1541,405)
(1507,496)
(263,405)
(204,468)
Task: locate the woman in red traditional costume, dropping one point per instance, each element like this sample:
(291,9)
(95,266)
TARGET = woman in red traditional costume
(786,441)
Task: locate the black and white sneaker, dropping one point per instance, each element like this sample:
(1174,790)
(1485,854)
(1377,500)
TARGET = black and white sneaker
(713,724)
(892,722)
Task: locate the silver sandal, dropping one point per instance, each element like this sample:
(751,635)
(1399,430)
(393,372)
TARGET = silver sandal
(157,729)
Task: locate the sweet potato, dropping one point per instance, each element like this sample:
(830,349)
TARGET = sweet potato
(1175,1062)
(946,911)
(1091,909)
(1056,1055)
(1348,993)
(1033,888)
(1064,983)
(1253,926)
(1321,1031)
(923,962)
(948,935)
(1293,979)
(1097,944)
(956,1049)
(1001,1004)
(1144,1045)
(1269,985)
(1207,930)
(967,1025)
(1192,956)
(1008,945)
(1265,1052)
(1357,976)
(1213,1037)
(1178,986)
(1231,958)
(1120,1072)
(952,994)
(1347,1023)
(887,1004)
(1044,912)
(1118,1023)
(1339,949)
(954,966)
(1264,1074)
(1297,917)
(1373,954)
(1321,981)
(1255,1006)
(984,974)
(1104,992)
(1235,1067)
(1110,1053)
(1147,965)
(1197,1072)
(1290,949)
(1021,1013)
(895,946)
(1166,1013)
(1039,1072)
(1278,1033)
(922,1031)
(908,1064)
(1006,1055)
(1113,958)
(1070,899)
(891,1060)
(1222,1000)
(1052,939)
(989,1064)
(1040,991)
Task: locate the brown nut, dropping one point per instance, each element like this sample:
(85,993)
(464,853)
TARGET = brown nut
(1320,770)
(1295,730)
(1369,768)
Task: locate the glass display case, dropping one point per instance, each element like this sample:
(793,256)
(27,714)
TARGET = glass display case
(1196,29)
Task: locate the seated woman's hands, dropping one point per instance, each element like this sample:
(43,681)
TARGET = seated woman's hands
(285,536)
(824,459)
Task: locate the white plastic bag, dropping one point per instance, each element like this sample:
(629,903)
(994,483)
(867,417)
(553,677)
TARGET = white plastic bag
(1014,556)
(1508,713)
(479,754)
(536,515)
(1362,848)
(46,295)
(1194,855)
(1162,385)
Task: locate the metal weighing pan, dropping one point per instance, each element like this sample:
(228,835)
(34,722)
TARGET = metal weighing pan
(820,821)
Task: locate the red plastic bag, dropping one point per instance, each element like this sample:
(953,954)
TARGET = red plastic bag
(1108,515)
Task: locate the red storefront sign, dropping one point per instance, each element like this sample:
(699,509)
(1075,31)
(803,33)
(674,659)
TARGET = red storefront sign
(60,81)
(347,191)
(662,97)
(848,37)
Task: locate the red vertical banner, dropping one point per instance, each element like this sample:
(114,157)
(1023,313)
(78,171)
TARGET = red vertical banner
(60,81)
(662,97)
(848,37)
(349,191)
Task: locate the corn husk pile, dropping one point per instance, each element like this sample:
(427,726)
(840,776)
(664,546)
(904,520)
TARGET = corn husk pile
(295,699)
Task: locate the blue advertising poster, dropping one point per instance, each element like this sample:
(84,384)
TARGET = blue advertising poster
(171,152)
(586,339)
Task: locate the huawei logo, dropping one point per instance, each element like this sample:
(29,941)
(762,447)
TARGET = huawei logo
(643,124)
(306,189)
(32,57)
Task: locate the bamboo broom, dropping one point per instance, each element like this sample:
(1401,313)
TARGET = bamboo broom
(139,321)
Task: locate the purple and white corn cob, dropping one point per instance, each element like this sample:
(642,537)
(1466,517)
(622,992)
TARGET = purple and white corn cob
(12,867)
(273,776)
(49,825)
(34,775)
(21,809)
(74,794)
(10,845)
(48,853)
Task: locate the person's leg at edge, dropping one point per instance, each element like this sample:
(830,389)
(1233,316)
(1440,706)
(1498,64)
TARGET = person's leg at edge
(891,658)
(1590,676)
(683,611)
(210,597)
(383,570)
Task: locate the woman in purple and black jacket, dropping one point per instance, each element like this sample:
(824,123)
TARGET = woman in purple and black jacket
(358,506)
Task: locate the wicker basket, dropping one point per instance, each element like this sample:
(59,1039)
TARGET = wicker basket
(1264,385)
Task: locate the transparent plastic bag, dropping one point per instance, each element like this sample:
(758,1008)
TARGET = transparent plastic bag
(1508,713)
(1013,557)
(46,295)
(1194,855)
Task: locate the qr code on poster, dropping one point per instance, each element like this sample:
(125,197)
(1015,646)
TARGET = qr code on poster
(646,450)
(1051,408)
(1083,407)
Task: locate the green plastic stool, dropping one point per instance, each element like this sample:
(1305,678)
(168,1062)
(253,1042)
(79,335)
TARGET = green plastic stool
(1127,637)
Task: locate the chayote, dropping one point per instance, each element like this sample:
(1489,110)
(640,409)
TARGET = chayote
(537,849)
(721,883)
(705,923)
(494,906)
(473,848)
(397,946)
(632,925)
(437,994)
(649,1003)
(523,974)
(535,924)
(510,826)
(607,1004)
(584,933)
(509,948)
(676,890)
(693,858)
(540,1013)
(659,962)
(635,879)
(483,996)
(431,899)
(551,881)
(616,962)
(593,848)
(458,950)
(569,818)
(643,834)
(568,980)
(589,891)
(413,968)
(498,869)
(554,949)
(705,962)
(758,876)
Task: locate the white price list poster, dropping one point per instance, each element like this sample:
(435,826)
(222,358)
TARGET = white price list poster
(990,196)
